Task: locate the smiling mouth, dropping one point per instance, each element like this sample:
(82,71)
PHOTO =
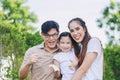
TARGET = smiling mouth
(65,48)
(51,42)
(76,38)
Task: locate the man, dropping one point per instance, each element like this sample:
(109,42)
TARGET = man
(38,58)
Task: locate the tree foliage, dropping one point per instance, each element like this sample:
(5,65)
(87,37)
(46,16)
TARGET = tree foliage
(112,62)
(16,33)
(110,21)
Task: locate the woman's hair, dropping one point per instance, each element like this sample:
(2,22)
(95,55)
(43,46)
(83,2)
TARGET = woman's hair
(74,43)
(85,40)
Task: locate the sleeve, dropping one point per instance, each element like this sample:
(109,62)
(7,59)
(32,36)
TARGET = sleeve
(27,56)
(57,57)
(94,45)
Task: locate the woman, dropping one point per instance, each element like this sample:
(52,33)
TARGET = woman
(90,65)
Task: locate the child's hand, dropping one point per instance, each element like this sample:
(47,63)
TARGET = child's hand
(55,68)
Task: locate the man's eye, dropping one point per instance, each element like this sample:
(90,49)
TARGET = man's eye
(46,35)
(55,35)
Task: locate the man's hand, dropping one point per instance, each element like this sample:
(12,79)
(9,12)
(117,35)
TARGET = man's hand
(33,58)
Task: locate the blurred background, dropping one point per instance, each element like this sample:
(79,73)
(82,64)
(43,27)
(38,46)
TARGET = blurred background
(20,22)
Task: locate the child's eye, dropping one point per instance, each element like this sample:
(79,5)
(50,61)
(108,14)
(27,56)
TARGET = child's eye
(61,42)
(68,42)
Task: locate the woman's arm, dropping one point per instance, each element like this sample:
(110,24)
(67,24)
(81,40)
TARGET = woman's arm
(88,60)
(73,63)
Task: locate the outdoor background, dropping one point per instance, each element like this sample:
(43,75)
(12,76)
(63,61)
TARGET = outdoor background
(20,22)
(64,10)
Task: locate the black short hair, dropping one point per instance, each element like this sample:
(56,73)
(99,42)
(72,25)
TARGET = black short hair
(48,25)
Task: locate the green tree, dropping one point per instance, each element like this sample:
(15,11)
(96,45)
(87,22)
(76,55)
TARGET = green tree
(16,33)
(110,22)
(112,62)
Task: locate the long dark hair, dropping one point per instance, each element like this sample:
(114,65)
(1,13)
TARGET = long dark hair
(85,40)
(74,43)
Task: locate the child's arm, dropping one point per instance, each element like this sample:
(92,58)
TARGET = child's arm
(57,72)
(56,69)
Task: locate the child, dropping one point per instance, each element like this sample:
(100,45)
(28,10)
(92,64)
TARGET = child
(63,61)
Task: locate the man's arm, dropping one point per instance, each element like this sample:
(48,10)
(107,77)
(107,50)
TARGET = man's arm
(24,70)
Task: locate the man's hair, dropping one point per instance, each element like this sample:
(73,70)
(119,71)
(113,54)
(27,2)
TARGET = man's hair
(48,25)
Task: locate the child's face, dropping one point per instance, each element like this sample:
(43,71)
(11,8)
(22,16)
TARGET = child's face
(65,44)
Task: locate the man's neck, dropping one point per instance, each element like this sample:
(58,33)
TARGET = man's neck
(51,50)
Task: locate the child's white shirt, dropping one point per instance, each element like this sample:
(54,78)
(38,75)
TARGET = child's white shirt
(64,59)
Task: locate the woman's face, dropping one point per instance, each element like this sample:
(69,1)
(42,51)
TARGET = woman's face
(77,31)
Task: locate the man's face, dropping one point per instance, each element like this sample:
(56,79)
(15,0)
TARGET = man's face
(51,38)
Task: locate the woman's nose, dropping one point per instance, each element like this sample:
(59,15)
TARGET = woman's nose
(75,32)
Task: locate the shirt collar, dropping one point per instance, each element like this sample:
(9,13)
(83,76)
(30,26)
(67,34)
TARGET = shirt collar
(42,46)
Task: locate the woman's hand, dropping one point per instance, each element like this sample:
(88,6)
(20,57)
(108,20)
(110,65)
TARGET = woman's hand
(76,76)
(73,64)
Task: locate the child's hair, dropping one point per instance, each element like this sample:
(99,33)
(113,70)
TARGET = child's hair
(74,43)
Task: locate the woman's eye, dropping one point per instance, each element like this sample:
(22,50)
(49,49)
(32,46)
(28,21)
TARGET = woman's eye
(71,30)
(77,28)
